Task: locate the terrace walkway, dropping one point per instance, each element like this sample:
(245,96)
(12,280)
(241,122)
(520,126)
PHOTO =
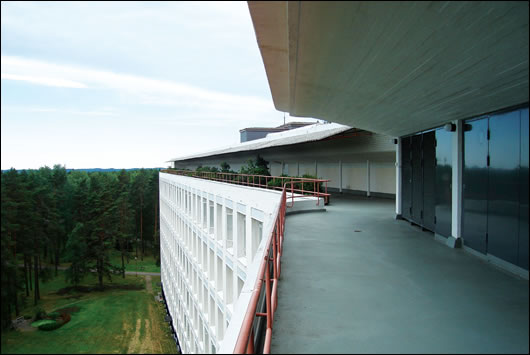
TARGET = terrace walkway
(390,288)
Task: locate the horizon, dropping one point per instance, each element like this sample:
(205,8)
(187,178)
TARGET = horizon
(66,168)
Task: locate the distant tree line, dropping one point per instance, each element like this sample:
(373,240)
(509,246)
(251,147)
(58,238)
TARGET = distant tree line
(52,216)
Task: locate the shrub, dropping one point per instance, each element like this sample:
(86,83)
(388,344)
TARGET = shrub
(310,186)
(63,318)
(277,182)
(50,326)
(38,323)
(257,167)
(39,314)
(54,315)
(207,169)
(307,186)
(225,167)
(27,316)
(66,318)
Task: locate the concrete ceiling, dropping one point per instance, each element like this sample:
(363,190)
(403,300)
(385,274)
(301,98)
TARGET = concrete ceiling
(270,23)
(393,67)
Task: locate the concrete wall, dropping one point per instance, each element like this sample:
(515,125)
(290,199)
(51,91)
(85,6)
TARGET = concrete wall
(275,169)
(383,178)
(307,168)
(354,176)
(246,136)
(352,151)
(330,171)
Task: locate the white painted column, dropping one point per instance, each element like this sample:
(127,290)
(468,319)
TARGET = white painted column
(458,159)
(223,224)
(398,178)
(235,231)
(340,176)
(236,248)
(248,235)
(368,178)
(281,168)
(224,237)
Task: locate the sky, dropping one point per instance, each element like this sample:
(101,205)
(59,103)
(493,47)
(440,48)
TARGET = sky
(127,85)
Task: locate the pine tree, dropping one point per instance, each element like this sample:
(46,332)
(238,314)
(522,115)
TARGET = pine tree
(12,206)
(101,225)
(138,195)
(125,217)
(76,253)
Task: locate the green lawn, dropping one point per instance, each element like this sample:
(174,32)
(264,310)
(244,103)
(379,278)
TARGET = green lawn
(146,265)
(110,321)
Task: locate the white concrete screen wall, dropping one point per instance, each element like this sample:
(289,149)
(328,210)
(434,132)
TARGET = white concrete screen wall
(380,179)
(210,234)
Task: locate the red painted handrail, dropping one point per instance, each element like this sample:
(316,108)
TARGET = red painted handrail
(297,183)
(245,340)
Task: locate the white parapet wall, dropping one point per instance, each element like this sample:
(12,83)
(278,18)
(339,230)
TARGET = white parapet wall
(212,235)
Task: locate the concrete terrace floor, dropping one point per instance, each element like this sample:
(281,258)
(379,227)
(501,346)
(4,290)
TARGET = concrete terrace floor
(390,288)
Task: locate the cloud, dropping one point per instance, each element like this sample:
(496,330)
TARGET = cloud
(43,80)
(102,112)
(144,90)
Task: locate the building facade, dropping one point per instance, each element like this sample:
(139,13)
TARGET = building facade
(210,234)
(355,161)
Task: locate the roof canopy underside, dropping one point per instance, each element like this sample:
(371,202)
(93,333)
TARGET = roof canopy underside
(393,67)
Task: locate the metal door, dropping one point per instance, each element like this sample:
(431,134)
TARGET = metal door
(475,184)
(503,195)
(417,180)
(429,174)
(522,253)
(406,178)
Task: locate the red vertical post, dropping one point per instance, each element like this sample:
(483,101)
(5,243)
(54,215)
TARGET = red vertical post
(315,192)
(268,295)
(292,195)
(326,197)
(250,346)
(268,334)
(274,256)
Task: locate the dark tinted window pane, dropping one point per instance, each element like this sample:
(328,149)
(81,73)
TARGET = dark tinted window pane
(475,184)
(523,193)
(503,196)
(444,176)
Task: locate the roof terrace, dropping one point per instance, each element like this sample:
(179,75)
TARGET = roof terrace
(354,279)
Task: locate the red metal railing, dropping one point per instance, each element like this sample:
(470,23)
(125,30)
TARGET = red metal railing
(300,186)
(271,257)
(245,340)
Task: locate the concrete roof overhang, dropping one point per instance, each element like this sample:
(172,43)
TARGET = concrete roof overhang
(393,67)
(314,132)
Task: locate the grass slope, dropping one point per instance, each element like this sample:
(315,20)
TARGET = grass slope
(109,321)
(146,265)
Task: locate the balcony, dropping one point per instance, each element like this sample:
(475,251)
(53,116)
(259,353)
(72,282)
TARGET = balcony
(356,280)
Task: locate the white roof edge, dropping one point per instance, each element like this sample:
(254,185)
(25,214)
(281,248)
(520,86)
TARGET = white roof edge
(304,134)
